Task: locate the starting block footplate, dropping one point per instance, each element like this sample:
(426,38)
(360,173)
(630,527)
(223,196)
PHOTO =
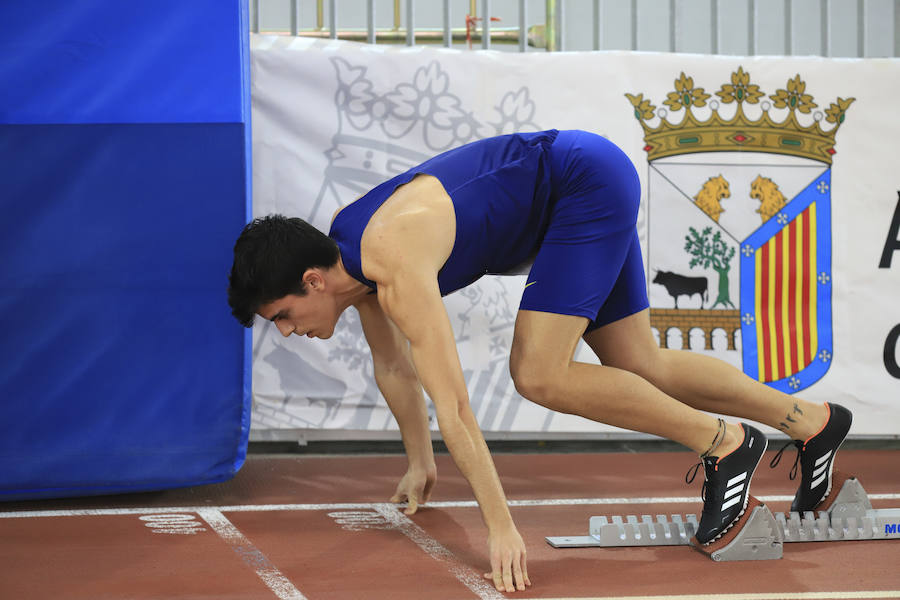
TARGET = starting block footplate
(846,515)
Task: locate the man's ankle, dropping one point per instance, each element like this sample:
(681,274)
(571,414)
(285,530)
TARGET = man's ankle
(734,436)
(816,416)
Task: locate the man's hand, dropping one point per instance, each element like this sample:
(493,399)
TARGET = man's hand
(507,560)
(415,488)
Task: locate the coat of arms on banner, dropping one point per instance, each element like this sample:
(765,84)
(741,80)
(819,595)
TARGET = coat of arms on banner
(740,223)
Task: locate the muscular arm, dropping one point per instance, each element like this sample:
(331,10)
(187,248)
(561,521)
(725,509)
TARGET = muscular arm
(397,380)
(403,248)
(412,300)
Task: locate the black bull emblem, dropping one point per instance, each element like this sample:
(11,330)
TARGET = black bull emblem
(679,285)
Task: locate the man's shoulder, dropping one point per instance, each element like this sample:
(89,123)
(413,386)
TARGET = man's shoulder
(416,222)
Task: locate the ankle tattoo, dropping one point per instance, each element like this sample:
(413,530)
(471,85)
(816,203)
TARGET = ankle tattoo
(784,425)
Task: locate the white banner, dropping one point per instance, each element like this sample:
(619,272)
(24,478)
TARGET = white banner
(768,219)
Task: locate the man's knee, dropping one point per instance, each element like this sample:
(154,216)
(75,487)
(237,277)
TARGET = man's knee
(540,384)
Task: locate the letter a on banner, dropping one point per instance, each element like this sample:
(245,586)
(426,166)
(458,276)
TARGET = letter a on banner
(892,243)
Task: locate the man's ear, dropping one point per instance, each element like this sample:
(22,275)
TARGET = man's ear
(313,279)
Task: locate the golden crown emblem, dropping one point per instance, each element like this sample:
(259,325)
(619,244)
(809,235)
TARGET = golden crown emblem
(740,133)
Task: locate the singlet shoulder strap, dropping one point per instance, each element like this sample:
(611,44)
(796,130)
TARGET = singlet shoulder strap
(350,223)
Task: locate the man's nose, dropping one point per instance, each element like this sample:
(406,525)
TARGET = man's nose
(285,329)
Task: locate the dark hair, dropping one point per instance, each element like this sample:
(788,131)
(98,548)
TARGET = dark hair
(270,257)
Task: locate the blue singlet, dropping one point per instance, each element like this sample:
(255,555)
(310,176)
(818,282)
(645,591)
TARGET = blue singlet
(565,200)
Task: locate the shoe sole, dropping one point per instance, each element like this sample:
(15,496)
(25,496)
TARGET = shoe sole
(746,496)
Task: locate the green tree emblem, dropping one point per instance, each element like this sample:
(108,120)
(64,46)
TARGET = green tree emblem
(711,251)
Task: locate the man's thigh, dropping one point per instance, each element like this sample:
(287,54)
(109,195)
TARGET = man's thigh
(627,343)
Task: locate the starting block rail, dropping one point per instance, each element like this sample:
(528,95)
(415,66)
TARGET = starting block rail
(847,515)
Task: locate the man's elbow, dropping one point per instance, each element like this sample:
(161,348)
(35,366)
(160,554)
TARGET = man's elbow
(394,370)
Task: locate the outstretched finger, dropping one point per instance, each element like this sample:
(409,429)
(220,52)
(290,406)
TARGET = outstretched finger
(508,574)
(517,571)
(412,507)
(496,574)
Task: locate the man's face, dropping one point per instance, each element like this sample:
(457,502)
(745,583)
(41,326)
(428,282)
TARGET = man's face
(312,315)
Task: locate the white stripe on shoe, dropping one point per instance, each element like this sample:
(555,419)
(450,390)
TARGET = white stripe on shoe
(823,458)
(735,487)
(736,479)
(818,481)
(731,502)
(822,469)
(735,490)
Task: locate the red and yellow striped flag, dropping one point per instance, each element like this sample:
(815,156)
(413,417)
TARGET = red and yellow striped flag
(786,299)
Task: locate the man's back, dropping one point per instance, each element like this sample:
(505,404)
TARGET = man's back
(501,194)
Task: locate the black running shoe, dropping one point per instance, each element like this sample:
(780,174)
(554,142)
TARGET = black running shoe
(816,458)
(727,486)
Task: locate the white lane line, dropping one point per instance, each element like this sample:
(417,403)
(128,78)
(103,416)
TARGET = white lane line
(465,574)
(374,505)
(760,596)
(250,554)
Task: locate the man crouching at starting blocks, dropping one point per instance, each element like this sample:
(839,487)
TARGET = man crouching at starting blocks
(566,202)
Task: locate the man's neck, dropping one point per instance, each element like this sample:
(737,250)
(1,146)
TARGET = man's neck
(348,291)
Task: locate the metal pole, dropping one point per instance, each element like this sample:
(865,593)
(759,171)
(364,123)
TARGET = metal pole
(596,24)
(320,16)
(254,17)
(410,24)
(751,27)
(860,28)
(486,24)
(508,35)
(370,21)
(634,25)
(788,29)
(523,26)
(673,24)
(561,21)
(448,35)
(550,26)
(295,16)
(397,15)
(332,8)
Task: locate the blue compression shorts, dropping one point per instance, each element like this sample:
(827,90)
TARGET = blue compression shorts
(589,262)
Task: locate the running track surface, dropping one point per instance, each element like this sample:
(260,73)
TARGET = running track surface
(319,527)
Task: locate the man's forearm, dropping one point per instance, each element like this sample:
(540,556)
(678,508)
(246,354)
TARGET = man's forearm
(403,393)
(466,444)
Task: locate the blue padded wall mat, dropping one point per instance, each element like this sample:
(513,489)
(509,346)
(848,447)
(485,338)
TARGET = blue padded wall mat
(140,61)
(124,162)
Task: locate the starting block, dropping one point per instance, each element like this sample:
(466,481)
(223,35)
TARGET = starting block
(846,514)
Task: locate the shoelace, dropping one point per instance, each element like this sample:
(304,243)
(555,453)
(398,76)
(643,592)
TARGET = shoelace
(691,474)
(777,457)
